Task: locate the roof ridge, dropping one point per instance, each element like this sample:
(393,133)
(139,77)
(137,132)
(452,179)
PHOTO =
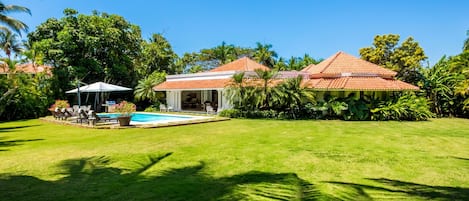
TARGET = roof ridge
(330,62)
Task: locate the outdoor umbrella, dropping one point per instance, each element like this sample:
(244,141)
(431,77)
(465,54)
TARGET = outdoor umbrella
(97,88)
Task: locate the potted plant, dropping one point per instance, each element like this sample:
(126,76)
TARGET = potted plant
(125,109)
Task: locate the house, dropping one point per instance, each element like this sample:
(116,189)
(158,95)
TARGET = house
(342,74)
(28,68)
(193,91)
(339,75)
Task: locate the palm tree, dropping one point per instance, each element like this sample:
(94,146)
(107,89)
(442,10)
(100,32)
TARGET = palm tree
(144,89)
(264,55)
(9,43)
(12,23)
(266,77)
(224,53)
(290,95)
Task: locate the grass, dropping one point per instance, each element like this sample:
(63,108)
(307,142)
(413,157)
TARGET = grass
(237,159)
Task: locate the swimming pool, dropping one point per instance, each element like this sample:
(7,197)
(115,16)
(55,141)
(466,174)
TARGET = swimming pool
(153,118)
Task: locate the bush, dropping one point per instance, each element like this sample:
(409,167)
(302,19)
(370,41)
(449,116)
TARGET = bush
(407,107)
(152,108)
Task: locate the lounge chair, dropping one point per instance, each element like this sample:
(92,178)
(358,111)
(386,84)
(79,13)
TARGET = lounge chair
(209,109)
(170,108)
(163,108)
(66,113)
(82,116)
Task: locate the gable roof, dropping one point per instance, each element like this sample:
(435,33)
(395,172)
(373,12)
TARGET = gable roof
(359,84)
(242,64)
(341,63)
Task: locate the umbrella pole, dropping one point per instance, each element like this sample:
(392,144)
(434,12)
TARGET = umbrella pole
(78,94)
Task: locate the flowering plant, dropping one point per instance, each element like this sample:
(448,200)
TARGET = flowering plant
(59,104)
(125,108)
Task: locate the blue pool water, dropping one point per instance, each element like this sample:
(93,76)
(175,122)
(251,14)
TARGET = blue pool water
(151,118)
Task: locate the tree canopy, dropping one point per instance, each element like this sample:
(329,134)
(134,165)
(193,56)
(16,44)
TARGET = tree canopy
(89,47)
(405,58)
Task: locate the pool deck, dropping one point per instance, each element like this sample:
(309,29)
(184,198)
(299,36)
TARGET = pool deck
(115,125)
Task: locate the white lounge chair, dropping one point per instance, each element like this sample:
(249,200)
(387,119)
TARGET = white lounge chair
(170,108)
(209,109)
(163,108)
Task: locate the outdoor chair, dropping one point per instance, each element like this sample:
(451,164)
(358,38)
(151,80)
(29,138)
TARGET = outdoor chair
(163,108)
(66,113)
(57,114)
(170,108)
(209,109)
(82,116)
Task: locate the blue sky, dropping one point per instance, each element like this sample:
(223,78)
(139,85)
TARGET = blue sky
(319,28)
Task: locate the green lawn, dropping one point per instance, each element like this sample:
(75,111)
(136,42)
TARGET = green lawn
(237,159)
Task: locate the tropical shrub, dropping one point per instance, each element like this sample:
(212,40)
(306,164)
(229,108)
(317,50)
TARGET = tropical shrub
(407,107)
(356,109)
(24,97)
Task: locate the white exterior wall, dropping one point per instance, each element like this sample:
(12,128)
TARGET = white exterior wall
(173,98)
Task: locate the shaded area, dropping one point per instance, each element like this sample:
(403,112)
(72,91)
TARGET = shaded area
(460,158)
(94,179)
(10,143)
(399,189)
(12,128)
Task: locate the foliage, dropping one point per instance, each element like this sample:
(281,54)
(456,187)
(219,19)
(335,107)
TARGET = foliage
(59,104)
(264,55)
(144,89)
(406,59)
(290,96)
(295,63)
(356,109)
(152,108)
(407,107)
(91,48)
(439,85)
(466,42)
(157,55)
(125,108)
(23,96)
(11,23)
(9,43)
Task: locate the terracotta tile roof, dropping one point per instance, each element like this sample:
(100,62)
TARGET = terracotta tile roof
(308,68)
(359,84)
(344,63)
(28,68)
(193,84)
(242,64)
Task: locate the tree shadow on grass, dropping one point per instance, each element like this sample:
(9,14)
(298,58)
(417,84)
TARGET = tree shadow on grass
(12,128)
(395,188)
(94,179)
(10,143)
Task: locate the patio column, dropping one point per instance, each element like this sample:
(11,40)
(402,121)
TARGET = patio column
(219,98)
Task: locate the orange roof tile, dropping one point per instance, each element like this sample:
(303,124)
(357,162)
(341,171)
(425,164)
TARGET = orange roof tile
(193,84)
(28,68)
(308,68)
(242,64)
(360,84)
(344,63)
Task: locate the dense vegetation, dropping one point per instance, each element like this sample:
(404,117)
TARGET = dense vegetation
(106,47)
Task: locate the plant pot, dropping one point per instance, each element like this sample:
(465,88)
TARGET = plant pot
(124,121)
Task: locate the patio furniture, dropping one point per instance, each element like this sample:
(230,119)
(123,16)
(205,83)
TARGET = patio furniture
(163,108)
(170,108)
(209,109)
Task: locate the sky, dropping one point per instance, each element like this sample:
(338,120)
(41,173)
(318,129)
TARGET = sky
(293,27)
